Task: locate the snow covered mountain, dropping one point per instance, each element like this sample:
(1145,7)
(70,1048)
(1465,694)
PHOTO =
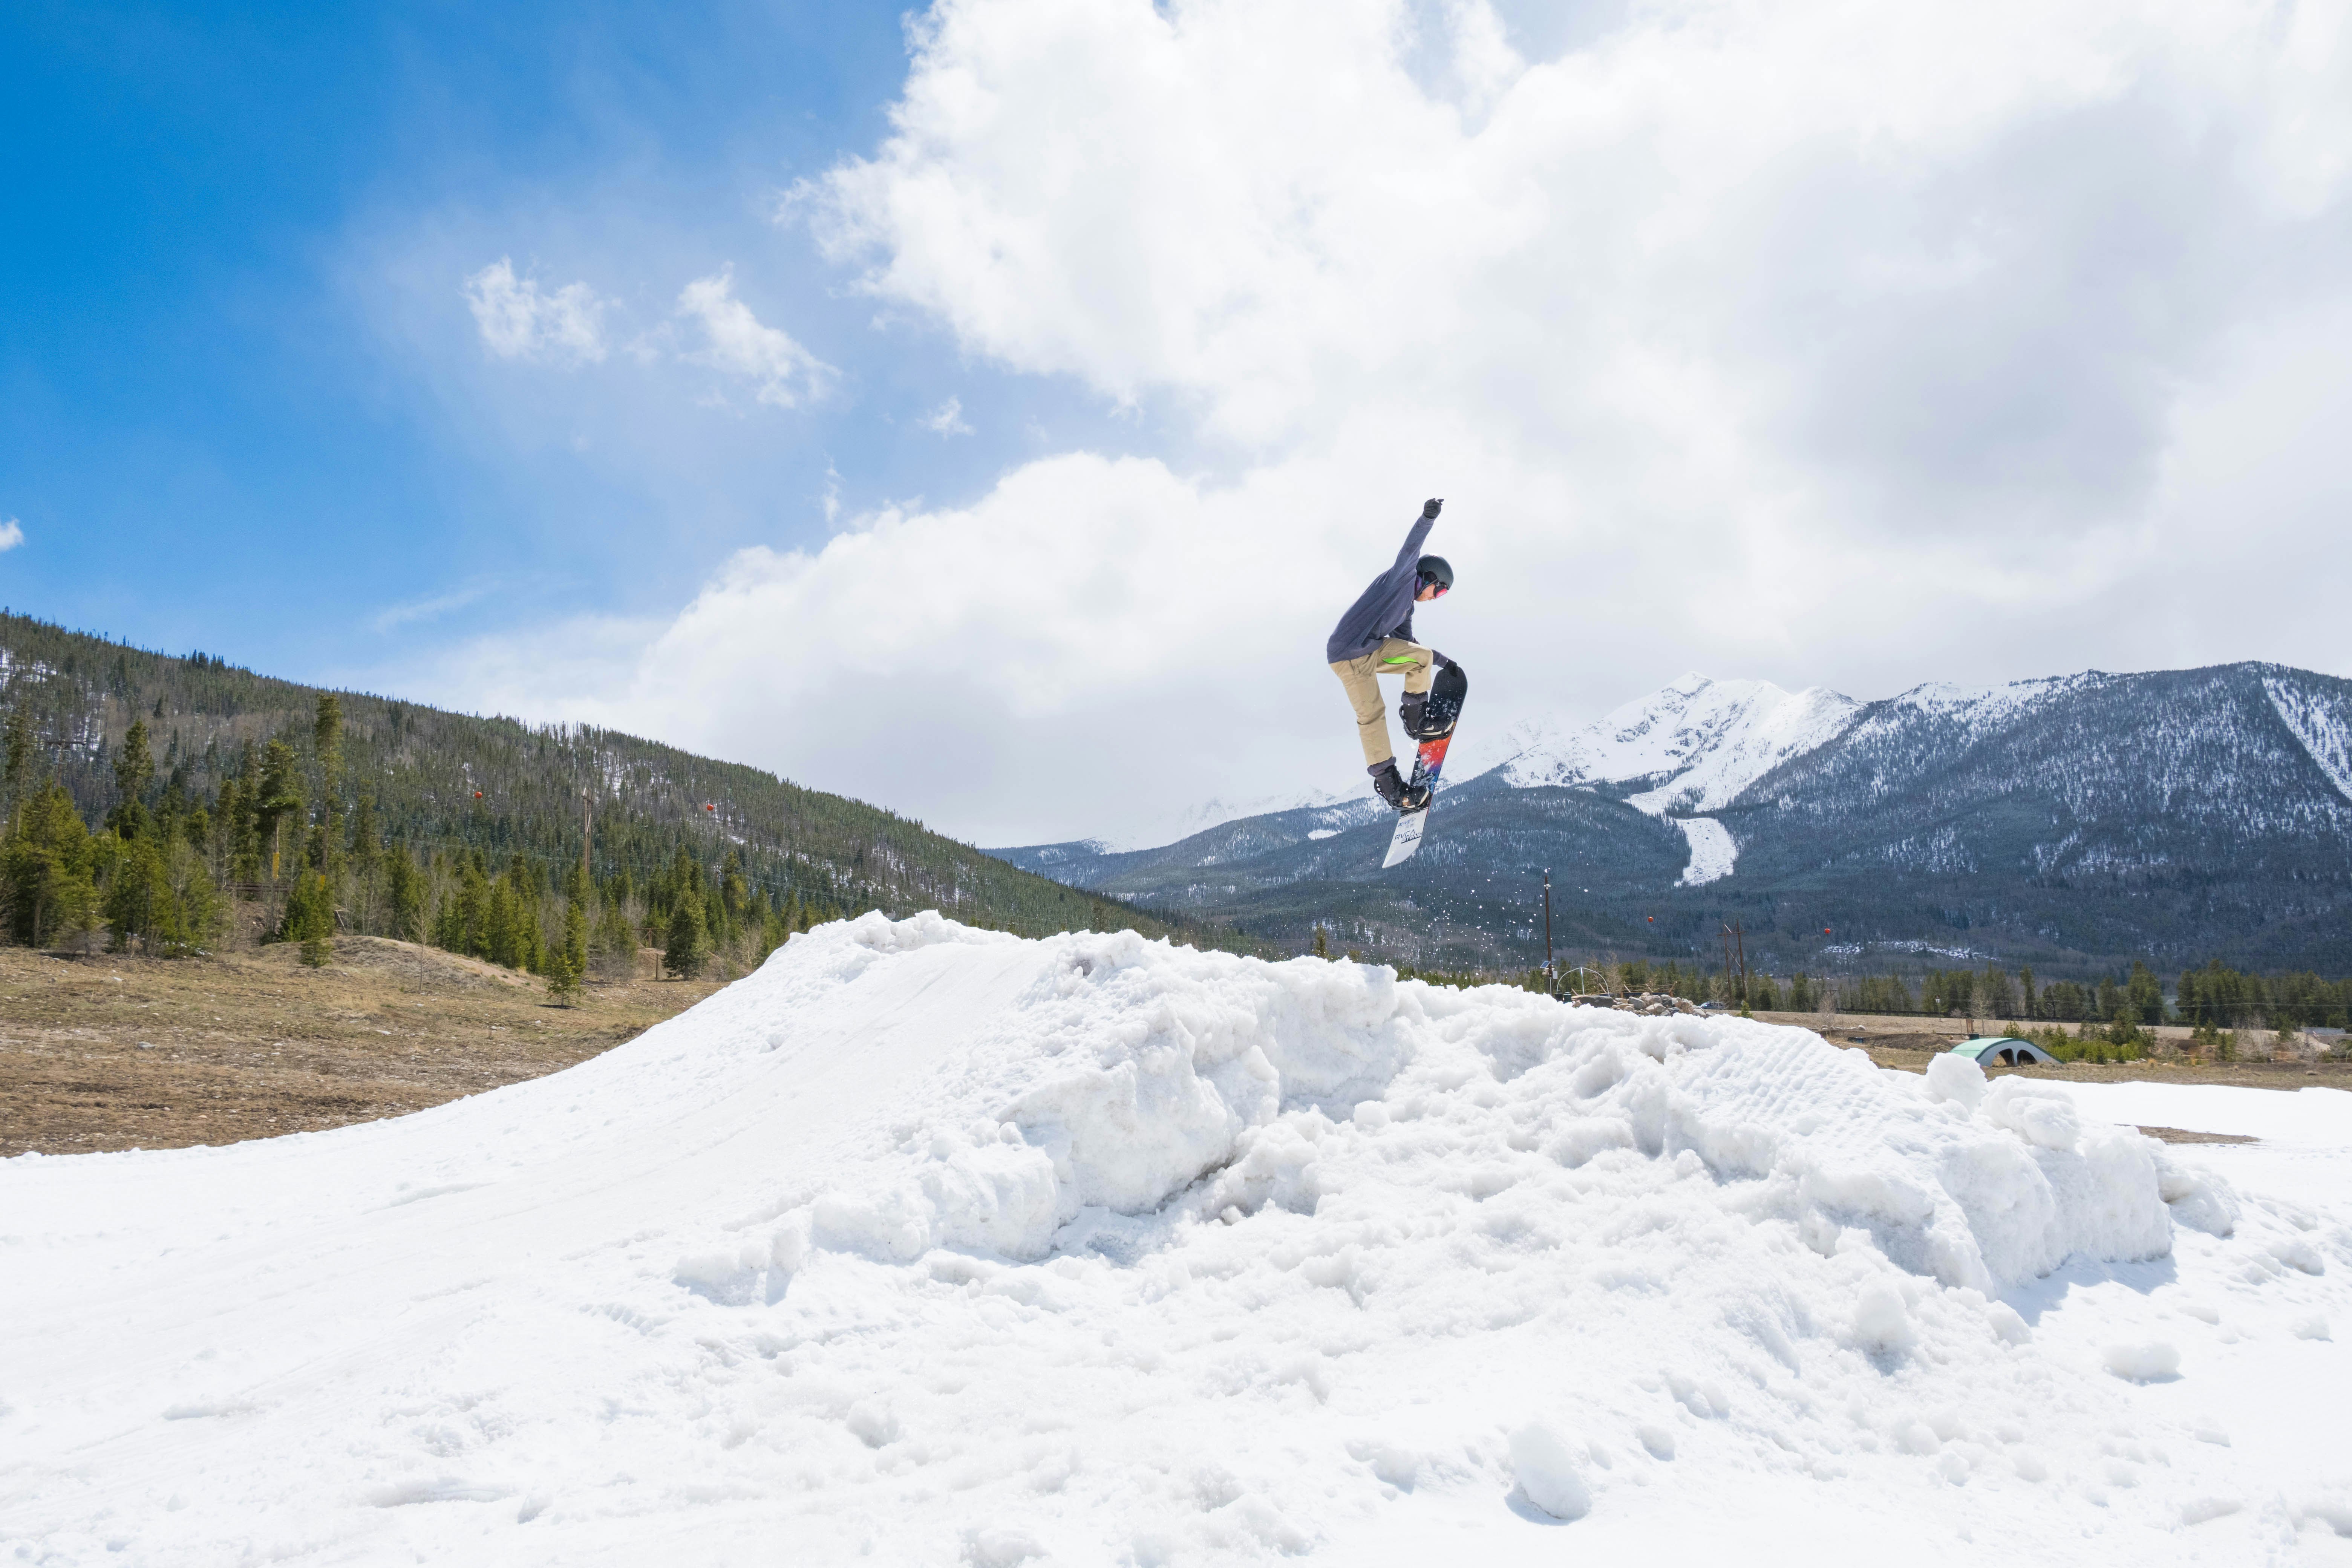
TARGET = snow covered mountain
(1689,748)
(1692,747)
(2081,818)
(929,1244)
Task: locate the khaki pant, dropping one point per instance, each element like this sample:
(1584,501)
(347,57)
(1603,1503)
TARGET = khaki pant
(1361,676)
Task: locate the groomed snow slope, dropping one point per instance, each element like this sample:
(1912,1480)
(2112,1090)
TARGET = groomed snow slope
(927,1245)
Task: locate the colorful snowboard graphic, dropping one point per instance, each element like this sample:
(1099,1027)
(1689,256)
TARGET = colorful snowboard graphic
(1445,696)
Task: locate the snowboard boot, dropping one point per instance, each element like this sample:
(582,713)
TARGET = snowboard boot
(1419,722)
(1389,785)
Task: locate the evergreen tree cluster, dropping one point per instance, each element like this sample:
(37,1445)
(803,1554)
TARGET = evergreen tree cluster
(2111,1015)
(146,794)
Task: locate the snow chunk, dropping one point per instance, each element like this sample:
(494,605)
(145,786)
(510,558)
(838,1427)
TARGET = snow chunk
(2040,1113)
(872,1423)
(1955,1079)
(2150,1361)
(1548,1473)
(2198,1197)
(996,1546)
(1881,1320)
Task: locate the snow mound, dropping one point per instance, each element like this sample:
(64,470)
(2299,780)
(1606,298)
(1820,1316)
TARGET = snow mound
(928,1244)
(1129,1080)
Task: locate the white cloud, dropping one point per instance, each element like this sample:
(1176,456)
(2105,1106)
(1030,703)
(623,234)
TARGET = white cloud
(428,608)
(1069,633)
(12,534)
(1792,339)
(947,419)
(518,322)
(739,344)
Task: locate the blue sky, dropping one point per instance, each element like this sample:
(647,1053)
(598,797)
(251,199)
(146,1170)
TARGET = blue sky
(241,401)
(987,410)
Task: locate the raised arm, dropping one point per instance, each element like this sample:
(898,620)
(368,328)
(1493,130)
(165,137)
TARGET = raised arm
(1419,535)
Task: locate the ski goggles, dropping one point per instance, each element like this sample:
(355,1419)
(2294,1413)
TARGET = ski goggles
(1433,583)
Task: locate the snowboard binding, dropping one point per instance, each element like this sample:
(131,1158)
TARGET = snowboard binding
(1389,785)
(1430,716)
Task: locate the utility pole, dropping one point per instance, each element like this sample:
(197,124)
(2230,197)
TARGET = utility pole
(1735,968)
(1552,976)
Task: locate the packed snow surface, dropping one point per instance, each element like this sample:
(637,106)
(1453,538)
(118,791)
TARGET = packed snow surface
(927,1245)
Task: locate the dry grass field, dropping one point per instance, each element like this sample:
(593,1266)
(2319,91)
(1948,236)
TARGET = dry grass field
(115,1052)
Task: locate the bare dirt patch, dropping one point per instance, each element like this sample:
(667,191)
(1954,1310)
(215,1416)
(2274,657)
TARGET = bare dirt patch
(2182,1136)
(115,1052)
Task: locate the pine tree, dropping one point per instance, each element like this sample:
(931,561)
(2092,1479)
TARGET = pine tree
(404,891)
(46,870)
(569,963)
(310,916)
(280,793)
(734,897)
(616,940)
(366,856)
(200,901)
(466,913)
(500,943)
(134,770)
(1322,944)
(688,947)
(367,848)
(138,905)
(327,740)
(18,774)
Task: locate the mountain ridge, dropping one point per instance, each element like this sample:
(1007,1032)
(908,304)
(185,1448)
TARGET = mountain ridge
(2077,820)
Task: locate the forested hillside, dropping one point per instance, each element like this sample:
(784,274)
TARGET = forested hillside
(166,802)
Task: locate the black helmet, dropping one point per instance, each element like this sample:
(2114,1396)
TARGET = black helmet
(1434,569)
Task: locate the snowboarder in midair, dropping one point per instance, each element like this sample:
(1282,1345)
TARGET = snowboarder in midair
(1375,638)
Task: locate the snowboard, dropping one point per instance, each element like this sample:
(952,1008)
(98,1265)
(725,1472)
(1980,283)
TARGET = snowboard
(1445,694)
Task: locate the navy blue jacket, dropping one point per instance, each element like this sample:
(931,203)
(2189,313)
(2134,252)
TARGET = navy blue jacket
(1385,610)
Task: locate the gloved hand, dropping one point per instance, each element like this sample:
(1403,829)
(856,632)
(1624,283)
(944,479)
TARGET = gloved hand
(1429,509)
(1438,660)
